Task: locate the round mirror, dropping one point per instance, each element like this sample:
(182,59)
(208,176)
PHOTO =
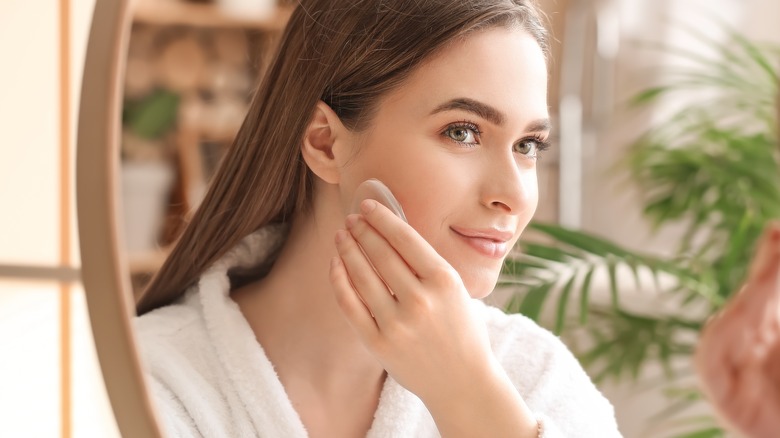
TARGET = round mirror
(104,274)
(136,118)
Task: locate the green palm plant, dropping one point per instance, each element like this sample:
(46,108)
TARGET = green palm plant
(713,166)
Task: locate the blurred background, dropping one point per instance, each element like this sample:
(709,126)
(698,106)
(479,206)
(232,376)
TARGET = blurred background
(663,173)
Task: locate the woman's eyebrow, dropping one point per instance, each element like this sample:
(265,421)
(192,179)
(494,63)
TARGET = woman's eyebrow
(540,125)
(483,110)
(487,112)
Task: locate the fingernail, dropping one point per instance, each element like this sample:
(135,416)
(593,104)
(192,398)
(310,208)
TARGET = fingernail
(340,236)
(367,206)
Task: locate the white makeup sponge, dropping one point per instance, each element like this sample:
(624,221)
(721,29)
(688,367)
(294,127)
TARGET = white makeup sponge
(374,189)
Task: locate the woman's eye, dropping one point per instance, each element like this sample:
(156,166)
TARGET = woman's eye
(462,134)
(528,147)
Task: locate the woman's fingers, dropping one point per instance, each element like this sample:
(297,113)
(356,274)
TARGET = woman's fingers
(358,315)
(761,295)
(412,248)
(365,281)
(755,306)
(393,270)
(767,254)
(739,351)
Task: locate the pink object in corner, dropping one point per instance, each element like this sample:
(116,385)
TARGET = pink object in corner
(738,356)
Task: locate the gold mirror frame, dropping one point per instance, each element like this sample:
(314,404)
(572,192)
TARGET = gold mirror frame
(104,269)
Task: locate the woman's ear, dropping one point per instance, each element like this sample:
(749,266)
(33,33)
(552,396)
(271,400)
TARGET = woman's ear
(323,143)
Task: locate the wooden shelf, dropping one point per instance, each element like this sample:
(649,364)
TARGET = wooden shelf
(208,16)
(178,12)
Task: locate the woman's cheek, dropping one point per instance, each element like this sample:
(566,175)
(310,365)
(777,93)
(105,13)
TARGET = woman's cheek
(531,184)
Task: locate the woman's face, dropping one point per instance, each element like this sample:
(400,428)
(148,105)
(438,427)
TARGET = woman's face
(458,144)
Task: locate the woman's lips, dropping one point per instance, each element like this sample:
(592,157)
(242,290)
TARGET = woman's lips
(491,242)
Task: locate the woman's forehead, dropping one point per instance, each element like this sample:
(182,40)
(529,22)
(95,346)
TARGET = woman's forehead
(502,73)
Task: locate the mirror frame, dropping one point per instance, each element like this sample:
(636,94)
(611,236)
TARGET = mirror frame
(103,267)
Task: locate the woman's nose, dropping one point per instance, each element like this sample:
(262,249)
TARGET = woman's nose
(508,186)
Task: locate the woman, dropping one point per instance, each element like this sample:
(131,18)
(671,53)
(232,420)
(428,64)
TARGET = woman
(301,319)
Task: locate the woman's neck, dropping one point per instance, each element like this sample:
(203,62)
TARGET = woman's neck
(296,319)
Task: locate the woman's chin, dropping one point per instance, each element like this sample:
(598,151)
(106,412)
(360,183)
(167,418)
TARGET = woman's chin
(480,294)
(479,276)
(480,286)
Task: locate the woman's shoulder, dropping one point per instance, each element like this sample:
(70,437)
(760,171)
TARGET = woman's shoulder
(171,333)
(548,375)
(514,336)
(170,321)
(183,370)
(528,352)
(524,348)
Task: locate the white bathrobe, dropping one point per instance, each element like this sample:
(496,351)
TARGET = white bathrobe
(210,377)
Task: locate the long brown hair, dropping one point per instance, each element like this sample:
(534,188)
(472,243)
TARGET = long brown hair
(347,53)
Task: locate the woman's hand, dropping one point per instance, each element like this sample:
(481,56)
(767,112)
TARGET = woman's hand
(412,311)
(738,357)
(407,304)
